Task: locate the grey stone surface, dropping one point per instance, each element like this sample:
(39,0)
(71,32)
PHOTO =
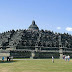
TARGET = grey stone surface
(33,26)
(35,39)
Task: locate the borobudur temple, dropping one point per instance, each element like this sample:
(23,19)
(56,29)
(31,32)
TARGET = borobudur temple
(35,43)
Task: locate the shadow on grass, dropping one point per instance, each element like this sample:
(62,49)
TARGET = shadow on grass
(8,61)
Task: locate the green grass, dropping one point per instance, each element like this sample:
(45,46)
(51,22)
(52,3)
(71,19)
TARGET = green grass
(40,65)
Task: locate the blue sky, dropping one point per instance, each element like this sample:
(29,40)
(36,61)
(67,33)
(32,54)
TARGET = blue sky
(54,15)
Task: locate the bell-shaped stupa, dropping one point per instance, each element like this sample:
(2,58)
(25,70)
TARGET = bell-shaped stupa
(33,26)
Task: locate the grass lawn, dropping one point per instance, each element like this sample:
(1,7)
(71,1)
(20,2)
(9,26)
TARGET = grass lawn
(40,65)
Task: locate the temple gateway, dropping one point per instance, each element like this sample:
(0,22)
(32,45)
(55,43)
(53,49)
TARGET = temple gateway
(35,43)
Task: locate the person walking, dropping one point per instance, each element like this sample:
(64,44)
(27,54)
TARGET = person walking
(52,59)
(3,59)
(68,57)
(65,58)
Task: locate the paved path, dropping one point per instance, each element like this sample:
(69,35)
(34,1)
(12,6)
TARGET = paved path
(24,59)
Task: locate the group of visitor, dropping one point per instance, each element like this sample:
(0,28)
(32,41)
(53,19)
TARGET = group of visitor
(8,58)
(67,58)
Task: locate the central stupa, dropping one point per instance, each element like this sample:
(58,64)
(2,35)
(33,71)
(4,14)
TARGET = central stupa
(33,26)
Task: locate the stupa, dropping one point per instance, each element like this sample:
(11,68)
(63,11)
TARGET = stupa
(33,26)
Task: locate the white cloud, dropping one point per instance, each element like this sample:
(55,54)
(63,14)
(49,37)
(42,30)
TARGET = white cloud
(58,27)
(69,29)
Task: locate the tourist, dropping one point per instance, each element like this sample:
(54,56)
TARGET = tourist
(2,58)
(65,58)
(52,59)
(68,57)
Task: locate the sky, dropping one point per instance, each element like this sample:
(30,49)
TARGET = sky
(54,15)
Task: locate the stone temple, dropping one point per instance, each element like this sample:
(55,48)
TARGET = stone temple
(35,43)
(33,26)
